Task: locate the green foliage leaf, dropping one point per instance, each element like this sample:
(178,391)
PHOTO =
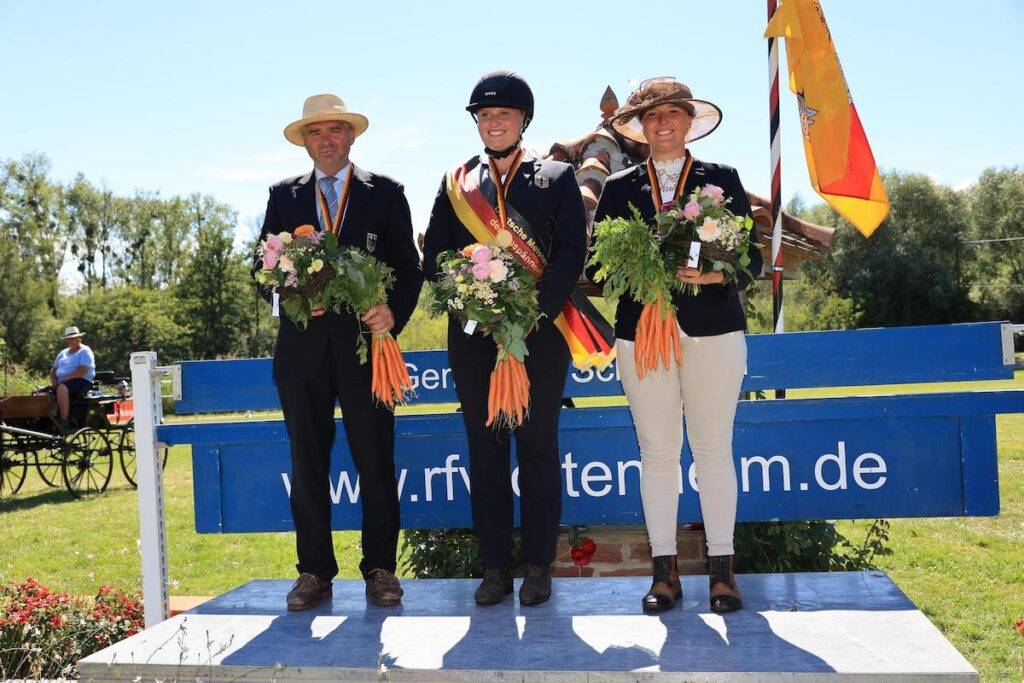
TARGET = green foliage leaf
(629,260)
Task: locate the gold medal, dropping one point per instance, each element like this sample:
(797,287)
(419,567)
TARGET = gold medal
(504,238)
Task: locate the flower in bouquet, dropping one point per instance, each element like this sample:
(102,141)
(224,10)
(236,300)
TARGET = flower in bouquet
(710,230)
(363,281)
(714,193)
(691,210)
(488,290)
(295,265)
(706,219)
(630,262)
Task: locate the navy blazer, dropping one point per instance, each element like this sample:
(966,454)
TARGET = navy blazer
(547,195)
(377,221)
(716,309)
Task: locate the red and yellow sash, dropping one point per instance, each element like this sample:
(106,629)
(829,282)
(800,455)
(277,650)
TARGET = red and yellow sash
(588,336)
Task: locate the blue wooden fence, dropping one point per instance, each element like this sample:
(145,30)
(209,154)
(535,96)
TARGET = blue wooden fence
(822,458)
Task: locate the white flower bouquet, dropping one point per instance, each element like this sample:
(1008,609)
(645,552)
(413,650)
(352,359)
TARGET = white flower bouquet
(722,237)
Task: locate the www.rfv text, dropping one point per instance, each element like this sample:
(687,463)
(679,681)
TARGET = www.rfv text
(836,471)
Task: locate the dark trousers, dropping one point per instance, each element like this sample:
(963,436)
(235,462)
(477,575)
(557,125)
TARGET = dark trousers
(370,430)
(540,482)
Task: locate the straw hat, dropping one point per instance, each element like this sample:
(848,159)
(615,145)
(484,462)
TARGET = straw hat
(71,332)
(665,90)
(323,108)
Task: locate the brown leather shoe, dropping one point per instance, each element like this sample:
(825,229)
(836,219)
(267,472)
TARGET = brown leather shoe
(536,588)
(496,585)
(308,591)
(383,589)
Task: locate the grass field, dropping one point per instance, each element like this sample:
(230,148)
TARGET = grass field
(966,574)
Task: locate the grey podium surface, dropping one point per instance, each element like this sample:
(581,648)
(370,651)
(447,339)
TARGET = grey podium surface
(795,627)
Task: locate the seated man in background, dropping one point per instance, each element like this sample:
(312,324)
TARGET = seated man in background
(72,373)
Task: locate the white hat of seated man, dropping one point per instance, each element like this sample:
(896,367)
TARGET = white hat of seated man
(71,332)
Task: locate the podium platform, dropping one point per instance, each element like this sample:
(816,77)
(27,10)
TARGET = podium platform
(843,626)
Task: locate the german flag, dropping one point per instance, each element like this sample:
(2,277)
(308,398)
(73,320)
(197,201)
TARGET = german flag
(839,158)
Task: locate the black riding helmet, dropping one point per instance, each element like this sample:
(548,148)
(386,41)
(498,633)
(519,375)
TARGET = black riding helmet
(502,89)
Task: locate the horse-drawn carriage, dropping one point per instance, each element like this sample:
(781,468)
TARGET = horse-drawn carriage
(81,458)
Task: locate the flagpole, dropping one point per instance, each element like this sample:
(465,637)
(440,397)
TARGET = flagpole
(776,175)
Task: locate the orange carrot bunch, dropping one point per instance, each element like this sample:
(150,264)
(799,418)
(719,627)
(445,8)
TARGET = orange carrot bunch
(390,382)
(657,337)
(508,398)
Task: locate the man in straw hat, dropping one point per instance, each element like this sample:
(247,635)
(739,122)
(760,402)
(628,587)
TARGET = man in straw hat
(664,114)
(317,367)
(72,373)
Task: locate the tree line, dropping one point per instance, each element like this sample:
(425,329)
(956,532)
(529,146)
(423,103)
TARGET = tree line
(133,272)
(165,274)
(942,256)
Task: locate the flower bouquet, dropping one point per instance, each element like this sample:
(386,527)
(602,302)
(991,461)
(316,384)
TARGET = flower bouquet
(488,290)
(630,261)
(295,265)
(705,234)
(310,270)
(363,282)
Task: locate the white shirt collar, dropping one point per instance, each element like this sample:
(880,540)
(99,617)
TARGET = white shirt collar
(341,177)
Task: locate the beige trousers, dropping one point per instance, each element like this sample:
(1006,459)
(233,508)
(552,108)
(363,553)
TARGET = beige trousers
(705,389)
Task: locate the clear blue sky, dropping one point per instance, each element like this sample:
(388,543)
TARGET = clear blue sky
(188,96)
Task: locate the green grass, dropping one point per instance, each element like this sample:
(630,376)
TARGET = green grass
(966,574)
(79,544)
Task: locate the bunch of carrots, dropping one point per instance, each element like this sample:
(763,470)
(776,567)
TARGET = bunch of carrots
(390,383)
(657,337)
(509,395)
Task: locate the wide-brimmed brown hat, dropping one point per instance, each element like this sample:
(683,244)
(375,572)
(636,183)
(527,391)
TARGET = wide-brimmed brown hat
(665,90)
(323,108)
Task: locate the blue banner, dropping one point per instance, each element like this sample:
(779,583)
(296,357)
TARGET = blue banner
(897,456)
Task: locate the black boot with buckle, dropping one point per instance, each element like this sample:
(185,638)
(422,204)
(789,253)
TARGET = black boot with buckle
(666,587)
(725,596)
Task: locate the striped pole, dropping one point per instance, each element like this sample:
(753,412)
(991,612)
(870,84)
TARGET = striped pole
(776,199)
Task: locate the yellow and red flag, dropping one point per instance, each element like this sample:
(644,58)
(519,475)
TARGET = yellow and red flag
(839,159)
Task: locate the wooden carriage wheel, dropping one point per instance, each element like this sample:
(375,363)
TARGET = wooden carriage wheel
(88,463)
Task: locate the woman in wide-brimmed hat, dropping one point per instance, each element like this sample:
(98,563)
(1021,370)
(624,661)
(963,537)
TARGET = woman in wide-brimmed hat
(663,113)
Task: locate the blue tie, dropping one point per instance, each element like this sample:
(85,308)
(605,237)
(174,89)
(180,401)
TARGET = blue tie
(327,185)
